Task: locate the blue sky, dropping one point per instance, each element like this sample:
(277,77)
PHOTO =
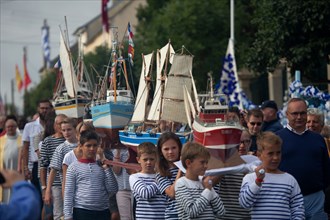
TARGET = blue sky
(20,25)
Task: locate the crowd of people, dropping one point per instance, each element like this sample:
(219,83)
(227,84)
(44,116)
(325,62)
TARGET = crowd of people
(54,168)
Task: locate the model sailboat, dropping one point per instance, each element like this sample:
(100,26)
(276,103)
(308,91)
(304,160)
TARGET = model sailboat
(113,106)
(74,88)
(167,111)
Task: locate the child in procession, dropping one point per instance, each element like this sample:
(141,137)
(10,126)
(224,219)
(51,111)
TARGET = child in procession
(88,185)
(68,128)
(269,192)
(150,203)
(76,153)
(169,149)
(195,196)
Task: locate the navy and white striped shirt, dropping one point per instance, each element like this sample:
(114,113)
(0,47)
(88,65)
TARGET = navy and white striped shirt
(150,203)
(279,197)
(88,186)
(171,212)
(229,189)
(58,156)
(48,147)
(196,202)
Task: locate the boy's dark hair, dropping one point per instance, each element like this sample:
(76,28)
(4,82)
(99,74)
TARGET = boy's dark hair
(88,135)
(162,165)
(193,150)
(146,148)
(267,138)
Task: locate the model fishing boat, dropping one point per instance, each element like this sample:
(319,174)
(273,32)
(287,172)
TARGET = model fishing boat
(74,88)
(167,110)
(113,106)
(214,131)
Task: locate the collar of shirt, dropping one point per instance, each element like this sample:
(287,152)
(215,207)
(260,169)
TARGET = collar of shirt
(294,131)
(86,160)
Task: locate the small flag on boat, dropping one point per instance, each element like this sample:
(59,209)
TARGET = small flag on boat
(229,84)
(45,43)
(27,79)
(19,82)
(130,43)
(105,20)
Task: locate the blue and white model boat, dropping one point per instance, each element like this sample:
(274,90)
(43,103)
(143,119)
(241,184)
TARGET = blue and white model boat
(113,107)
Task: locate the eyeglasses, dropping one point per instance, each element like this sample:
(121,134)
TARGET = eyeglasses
(255,123)
(295,114)
(246,142)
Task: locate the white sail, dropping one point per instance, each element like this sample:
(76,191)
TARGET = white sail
(195,94)
(173,99)
(142,96)
(70,78)
(190,103)
(187,105)
(162,54)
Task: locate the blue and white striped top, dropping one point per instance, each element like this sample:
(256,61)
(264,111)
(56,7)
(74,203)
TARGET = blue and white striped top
(58,156)
(171,212)
(150,203)
(279,197)
(48,147)
(229,189)
(88,186)
(196,202)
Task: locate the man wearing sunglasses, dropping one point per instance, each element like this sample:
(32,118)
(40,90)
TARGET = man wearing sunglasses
(305,156)
(254,122)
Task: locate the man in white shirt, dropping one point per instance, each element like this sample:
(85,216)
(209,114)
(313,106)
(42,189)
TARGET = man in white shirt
(31,131)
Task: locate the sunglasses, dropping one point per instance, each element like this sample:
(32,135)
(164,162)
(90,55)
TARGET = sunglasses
(247,141)
(255,123)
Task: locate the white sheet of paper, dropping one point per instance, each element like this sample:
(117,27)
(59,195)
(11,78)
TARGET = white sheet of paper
(252,163)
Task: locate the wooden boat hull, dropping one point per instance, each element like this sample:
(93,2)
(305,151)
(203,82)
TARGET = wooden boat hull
(72,108)
(221,140)
(112,115)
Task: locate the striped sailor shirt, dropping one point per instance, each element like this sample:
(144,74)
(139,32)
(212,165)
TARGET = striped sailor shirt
(279,197)
(150,203)
(58,156)
(48,147)
(171,212)
(88,186)
(196,202)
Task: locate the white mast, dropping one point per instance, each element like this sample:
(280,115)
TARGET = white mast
(232,20)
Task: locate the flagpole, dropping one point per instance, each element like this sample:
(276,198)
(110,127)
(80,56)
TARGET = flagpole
(24,78)
(12,109)
(232,20)
(232,39)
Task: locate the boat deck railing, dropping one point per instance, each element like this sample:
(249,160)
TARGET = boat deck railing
(103,101)
(217,122)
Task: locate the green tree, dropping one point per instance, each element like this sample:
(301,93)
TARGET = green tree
(296,30)
(201,26)
(44,90)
